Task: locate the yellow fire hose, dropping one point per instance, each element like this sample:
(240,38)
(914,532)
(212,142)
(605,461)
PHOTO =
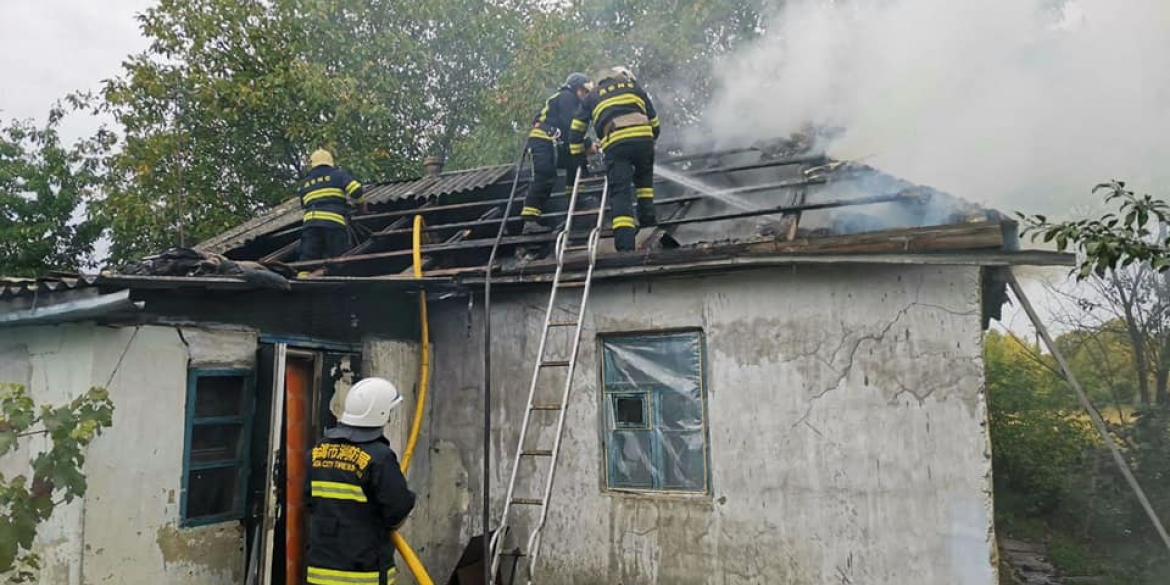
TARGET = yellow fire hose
(411,559)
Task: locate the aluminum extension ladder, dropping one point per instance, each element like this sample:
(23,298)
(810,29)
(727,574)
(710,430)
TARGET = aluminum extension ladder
(568,365)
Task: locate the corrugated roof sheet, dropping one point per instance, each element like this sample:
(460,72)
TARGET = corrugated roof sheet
(289,212)
(13,287)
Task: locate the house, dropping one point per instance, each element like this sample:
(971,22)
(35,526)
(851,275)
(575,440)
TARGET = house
(784,384)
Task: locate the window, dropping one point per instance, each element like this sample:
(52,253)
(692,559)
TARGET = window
(655,423)
(219,416)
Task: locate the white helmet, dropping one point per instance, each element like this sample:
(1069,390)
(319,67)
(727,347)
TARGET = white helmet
(369,403)
(624,72)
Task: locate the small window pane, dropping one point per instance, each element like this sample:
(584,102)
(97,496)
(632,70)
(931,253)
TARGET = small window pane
(219,396)
(212,492)
(212,443)
(683,461)
(630,460)
(630,412)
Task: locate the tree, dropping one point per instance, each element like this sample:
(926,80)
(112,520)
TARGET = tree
(1124,263)
(25,501)
(672,47)
(221,110)
(44,188)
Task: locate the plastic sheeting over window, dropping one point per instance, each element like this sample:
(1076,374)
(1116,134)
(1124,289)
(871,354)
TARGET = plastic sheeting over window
(655,412)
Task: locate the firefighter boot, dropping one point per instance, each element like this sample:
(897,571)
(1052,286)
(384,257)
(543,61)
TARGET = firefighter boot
(623,238)
(646,215)
(533,226)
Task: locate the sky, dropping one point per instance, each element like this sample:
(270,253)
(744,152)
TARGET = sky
(53,47)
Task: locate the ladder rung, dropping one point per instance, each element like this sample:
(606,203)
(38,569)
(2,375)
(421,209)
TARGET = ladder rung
(555,364)
(572,284)
(576,248)
(537,452)
(528,501)
(546,407)
(562,324)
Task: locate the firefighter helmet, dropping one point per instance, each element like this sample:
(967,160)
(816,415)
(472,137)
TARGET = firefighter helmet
(320,157)
(369,402)
(578,81)
(624,72)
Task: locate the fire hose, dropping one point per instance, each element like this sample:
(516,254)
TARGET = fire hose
(408,556)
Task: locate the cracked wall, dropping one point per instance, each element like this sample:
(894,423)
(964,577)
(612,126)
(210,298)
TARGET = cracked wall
(847,433)
(126,528)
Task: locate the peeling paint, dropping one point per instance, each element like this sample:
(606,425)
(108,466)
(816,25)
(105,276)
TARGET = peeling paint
(215,548)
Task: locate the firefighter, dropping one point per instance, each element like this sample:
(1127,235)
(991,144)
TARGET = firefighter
(547,142)
(626,124)
(357,493)
(326,193)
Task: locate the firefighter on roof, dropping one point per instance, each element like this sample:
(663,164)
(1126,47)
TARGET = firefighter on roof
(326,193)
(625,122)
(547,142)
(357,493)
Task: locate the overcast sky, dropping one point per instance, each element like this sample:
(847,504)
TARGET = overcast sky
(52,47)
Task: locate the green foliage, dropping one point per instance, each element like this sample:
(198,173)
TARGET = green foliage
(223,107)
(56,475)
(1038,436)
(1117,239)
(43,188)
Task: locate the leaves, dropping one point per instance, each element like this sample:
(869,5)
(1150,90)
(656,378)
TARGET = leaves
(56,472)
(44,186)
(1115,240)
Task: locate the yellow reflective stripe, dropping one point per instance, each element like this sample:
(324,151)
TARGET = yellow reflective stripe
(623,221)
(351,187)
(322,193)
(530,211)
(538,133)
(644,192)
(619,100)
(578,125)
(624,133)
(577,148)
(325,215)
(338,491)
(654,122)
(322,576)
(544,111)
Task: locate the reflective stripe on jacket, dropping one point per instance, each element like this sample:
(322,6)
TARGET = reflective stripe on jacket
(325,194)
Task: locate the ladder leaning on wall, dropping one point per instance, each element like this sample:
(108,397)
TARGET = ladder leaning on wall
(537,413)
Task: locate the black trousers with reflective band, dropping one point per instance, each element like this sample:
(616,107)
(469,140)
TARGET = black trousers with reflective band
(544,176)
(629,166)
(320,243)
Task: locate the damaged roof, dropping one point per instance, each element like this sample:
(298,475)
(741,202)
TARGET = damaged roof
(770,198)
(416,190)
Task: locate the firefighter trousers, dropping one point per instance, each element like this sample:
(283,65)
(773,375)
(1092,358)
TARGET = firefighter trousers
(544,176)
(630,170)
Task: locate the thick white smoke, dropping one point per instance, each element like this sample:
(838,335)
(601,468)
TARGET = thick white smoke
(1016,104)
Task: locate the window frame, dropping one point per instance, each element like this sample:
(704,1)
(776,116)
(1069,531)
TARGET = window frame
(241,462)
(652,408)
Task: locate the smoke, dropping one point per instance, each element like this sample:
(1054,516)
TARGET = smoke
(1015,104)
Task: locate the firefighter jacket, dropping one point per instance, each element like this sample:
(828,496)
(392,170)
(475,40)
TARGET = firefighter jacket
(555,117)
(324,194)
(357,496)
(619,109)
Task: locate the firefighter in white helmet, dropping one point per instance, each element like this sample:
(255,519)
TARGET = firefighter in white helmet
(358,494)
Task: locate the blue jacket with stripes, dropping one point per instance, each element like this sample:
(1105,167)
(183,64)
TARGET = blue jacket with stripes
(325,193)
(357,496)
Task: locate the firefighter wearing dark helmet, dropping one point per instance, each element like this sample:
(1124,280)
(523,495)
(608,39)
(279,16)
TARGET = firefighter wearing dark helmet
(548,145)
(357,493)
(626,124)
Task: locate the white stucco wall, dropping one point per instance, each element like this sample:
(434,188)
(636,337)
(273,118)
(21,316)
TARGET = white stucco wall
(126,530)
(847,434)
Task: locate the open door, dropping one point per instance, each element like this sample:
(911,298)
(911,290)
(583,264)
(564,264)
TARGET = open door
(266,509)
